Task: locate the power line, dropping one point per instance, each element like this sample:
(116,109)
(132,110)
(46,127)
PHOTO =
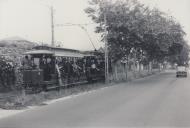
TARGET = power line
(82,27)
(71,24)
(88,36)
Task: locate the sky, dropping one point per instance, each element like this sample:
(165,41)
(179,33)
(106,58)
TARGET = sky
(31,20)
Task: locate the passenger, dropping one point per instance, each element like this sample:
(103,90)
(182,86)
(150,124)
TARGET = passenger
(34,65)
(99,65)
(27,64)
(13,77)
(8,75)
(48,70)
(88,63)
(76,70)
(63,65)
(69,70)
(84,66)
(93,66)
(2,74)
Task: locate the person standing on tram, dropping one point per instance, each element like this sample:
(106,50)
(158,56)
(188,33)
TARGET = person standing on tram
(27,64)
(93,66)
(2,73)
(68,70)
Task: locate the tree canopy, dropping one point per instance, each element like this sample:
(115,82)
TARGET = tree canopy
(134,27)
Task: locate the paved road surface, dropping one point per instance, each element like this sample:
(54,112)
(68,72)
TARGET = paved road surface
(158,101)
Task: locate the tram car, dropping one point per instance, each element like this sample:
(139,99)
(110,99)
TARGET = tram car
(47,67)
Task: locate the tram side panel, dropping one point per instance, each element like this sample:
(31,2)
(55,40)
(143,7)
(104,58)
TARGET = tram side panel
(32,78)
(72,72)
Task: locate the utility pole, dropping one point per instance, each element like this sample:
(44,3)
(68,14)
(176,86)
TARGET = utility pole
(52,27)
(106,47)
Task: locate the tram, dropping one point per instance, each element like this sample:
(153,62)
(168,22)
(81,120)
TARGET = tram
(52,67)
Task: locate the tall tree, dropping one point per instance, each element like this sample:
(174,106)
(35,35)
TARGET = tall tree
(133,27)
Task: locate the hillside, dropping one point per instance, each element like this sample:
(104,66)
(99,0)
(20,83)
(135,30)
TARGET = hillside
(14,47)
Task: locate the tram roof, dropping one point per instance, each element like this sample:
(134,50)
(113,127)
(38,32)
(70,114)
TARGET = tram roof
(35,52)
(55,53)
(54,48)
(59,52)
(68,54)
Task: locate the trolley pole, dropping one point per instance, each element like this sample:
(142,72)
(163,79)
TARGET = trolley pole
(52,27)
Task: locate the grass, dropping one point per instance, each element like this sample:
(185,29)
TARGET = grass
(19,100)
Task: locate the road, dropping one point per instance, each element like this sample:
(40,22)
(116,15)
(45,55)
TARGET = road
(157,101)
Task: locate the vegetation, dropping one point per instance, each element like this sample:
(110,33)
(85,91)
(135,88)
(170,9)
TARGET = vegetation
(135,29)
(11,52)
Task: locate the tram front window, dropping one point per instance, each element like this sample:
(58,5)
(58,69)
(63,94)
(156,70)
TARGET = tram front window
(36,62)
(44,63)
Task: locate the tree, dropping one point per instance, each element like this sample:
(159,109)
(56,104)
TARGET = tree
(131,26)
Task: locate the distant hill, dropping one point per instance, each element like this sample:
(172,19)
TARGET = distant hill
(16,42)
(14,47)
(13,38)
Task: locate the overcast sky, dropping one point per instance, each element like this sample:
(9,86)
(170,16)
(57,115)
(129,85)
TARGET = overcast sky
(30,19)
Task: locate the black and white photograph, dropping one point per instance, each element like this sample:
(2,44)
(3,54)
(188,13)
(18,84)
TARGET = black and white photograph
(94,64)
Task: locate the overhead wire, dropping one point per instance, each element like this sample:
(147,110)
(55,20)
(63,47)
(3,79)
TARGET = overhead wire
(82,27)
